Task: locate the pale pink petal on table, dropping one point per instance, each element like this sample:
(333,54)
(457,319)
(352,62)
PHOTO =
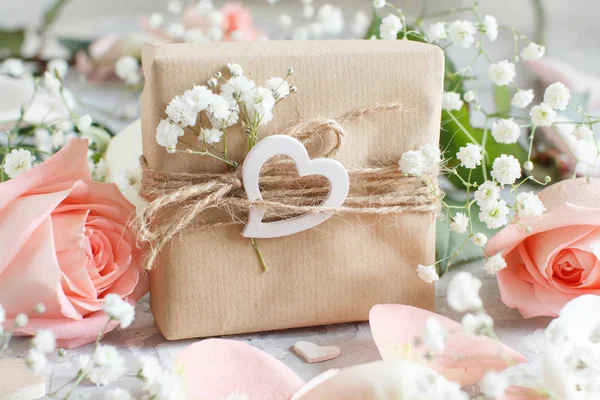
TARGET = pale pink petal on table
(522,393)
(466,358)
(216,368)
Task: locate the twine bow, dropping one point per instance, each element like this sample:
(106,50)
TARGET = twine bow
(186,197)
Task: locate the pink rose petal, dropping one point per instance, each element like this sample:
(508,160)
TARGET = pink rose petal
(216,368)
(466,358)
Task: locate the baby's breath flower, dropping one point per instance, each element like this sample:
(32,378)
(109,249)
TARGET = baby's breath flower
(235,69)
(198,98)
(260,100)
(211,136)
(427,273)
(463,292)
(529,205)
(437,32)
(390,27)
(17,162)
(557,96)
(502,73)
(13,67)
(469,96)
(44,341)
(494,264)
(285,21)
(378,3)
(469,156)
(236,88)
(127,69)
(117,394)
(167,386)
(167,134)
(533,52)
(84,123)
(118,309)
(435,335)
(58,66)
(528,166)
(104,367)
(147,368)
(490,27)
(432,157)
(175,31)
(41,138)
(279,87)
(204,7)
(174,6)
(506,131)
(494,214)
(36,361)
(494,385)
(479,240)
(460,223)
(216,18)
(156,20)
(506,169)
(182,112)
(581,132)
(215,34)
(412,163)
(477,324)
(522,98)
(50,83)
(542,115)
(451,101)
(461,33)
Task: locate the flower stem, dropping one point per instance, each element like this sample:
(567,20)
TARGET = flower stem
(259,254)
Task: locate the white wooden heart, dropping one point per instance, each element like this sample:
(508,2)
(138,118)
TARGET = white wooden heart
(313,353)
(285,145)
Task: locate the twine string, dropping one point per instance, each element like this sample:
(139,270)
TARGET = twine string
(184,197)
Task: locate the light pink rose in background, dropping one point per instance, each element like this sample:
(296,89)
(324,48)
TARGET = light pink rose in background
(236,17)
(66,241)
(559,260)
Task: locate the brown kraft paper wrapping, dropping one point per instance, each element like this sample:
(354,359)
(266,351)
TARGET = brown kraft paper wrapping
(209,282)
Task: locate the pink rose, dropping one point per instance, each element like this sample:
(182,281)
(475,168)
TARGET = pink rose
(236,17)
(66,241)
(557,261)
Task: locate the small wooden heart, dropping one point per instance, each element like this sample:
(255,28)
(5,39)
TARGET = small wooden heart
(17,382)
(313,353)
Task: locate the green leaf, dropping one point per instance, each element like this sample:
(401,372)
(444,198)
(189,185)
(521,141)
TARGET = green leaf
(502,99)
(12,41)
(52,13)
(453,137)
(447,241)
(74,45)
(452,81)
(374,27)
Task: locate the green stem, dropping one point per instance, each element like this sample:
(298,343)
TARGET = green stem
(259,254)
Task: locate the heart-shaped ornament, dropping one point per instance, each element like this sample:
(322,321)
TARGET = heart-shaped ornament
(285,145)
(313,353)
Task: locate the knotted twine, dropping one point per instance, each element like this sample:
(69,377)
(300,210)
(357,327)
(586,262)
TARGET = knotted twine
(185,197)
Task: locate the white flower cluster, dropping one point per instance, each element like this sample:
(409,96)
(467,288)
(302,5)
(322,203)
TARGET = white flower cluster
(326,22)
(423,161)
(118,310)
(238,99)
(556,97)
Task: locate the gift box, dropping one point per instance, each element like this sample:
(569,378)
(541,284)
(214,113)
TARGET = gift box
(208,281)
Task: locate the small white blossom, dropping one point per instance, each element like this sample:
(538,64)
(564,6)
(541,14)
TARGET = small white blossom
(451,101)
(117,394)
(285,21)
(167,134)
(542,115)
(259,100)
(431,156)
(435,335)
(105,366)
(378,3)
(50,83)
(147,368)
(557,96)
(427,273)
(463,292)
(490,27)
(494,384)
(522,98)
(156,20)
(17,162)
(44,341)
(494,215)
(502,73)
(182,112)
(216,18)
(331,18)
(279,87)
(235,69)
(460,223)
(211,136)
(411,162)
(167,386)
(58,66)
(174,6)
(175,31)
(529,205)
(204,7)
(127,69)
(506,169)
(476,324)
(494,264)
(506,131)
(581,132)
(480,240)
(36,361)
(462,33)
(237,88)
(13,67)
(390,27)
(469,156)
(118,309)
(220,108)
(84,123)
(533,52)
(469,96)
(42,140)
(437,32)
(198,98)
